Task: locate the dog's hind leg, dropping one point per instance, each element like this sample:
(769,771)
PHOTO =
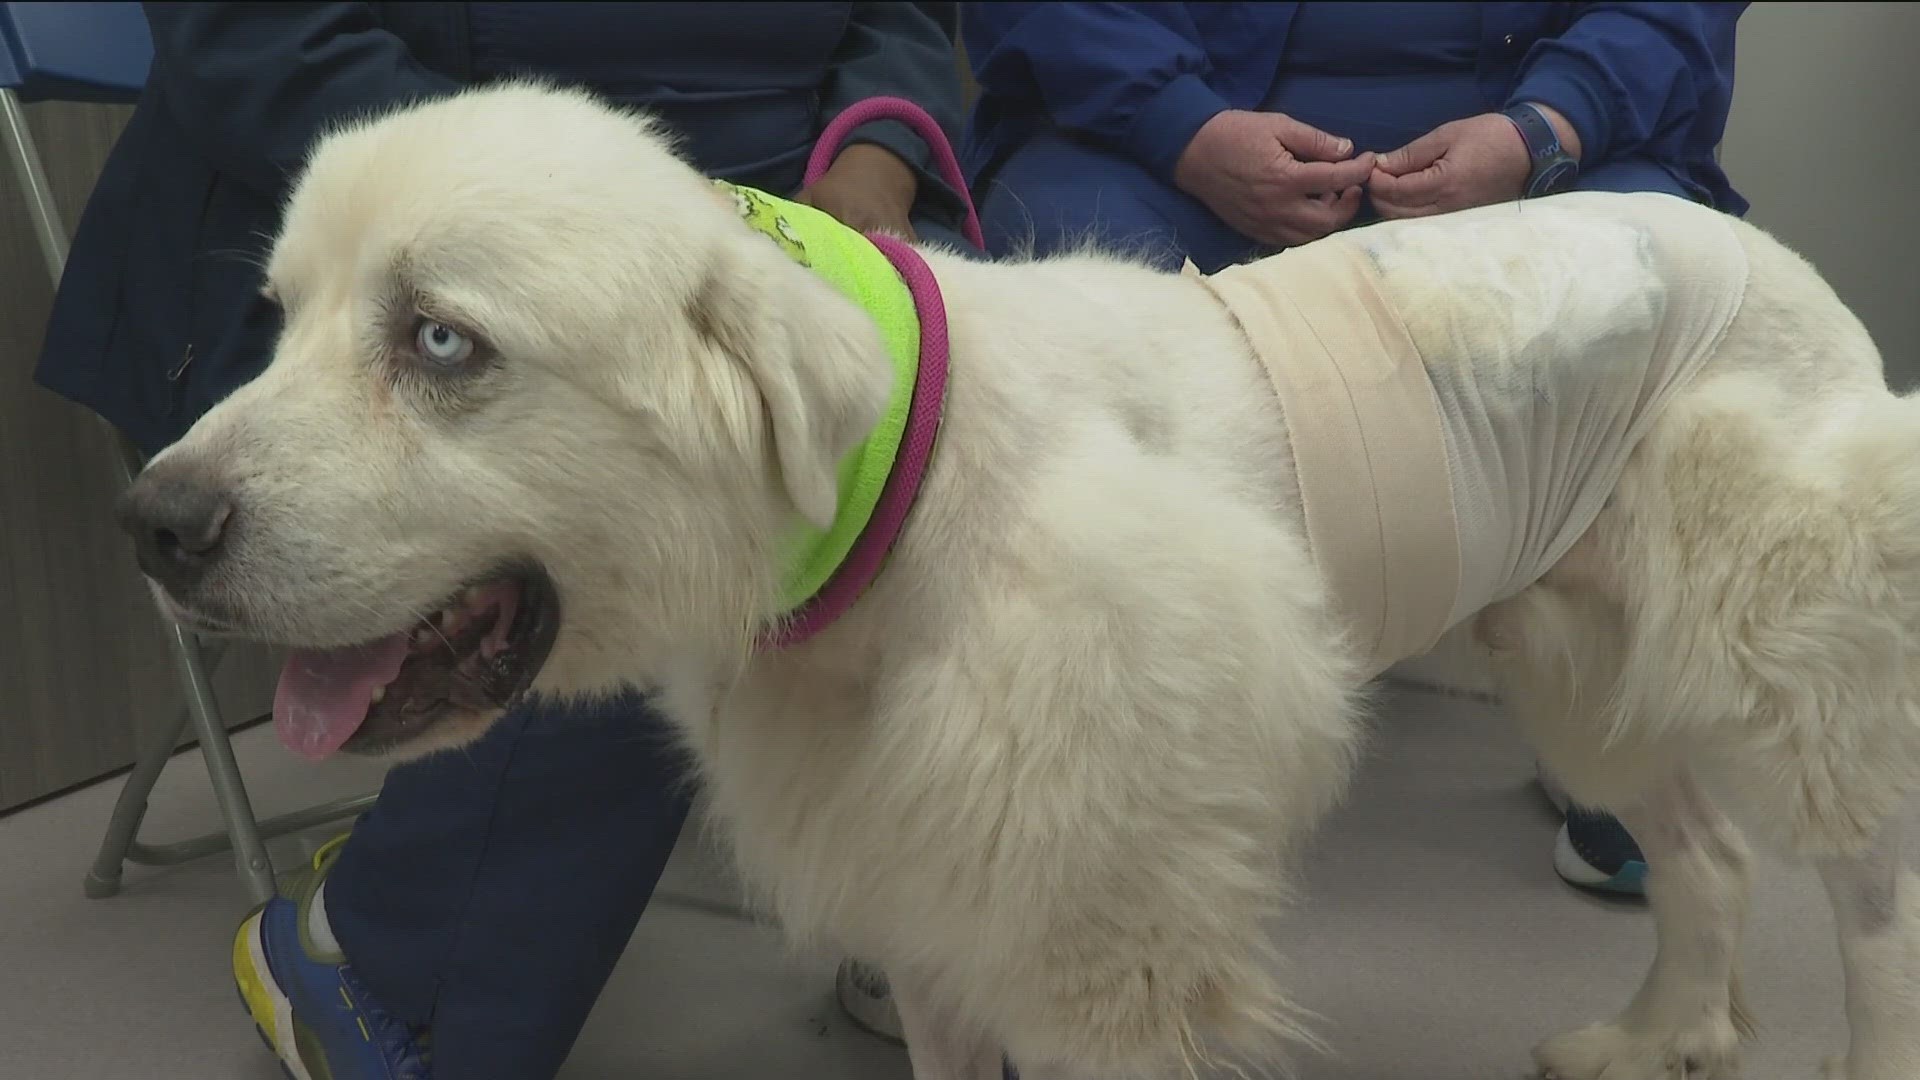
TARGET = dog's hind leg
(1556,650)
(1686,1022)
(938,1046)
(1876,905)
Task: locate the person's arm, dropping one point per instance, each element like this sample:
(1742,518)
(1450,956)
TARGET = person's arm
(904,51)
(254,84)
(1127,76)
(1622,74)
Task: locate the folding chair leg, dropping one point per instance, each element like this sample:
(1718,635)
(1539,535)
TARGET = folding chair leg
(121,844)
(244,835)
(190,663)
(131,809)
(249,849)
(203,710)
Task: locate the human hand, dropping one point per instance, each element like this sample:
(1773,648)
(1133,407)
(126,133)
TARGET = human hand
(1472,162)
(1273,178)
(867,188)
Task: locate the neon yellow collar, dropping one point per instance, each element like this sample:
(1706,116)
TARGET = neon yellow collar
(850,263)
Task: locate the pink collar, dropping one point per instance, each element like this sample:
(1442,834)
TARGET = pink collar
(861,565)
(869,552)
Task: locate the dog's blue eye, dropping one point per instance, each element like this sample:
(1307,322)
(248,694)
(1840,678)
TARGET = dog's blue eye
(441,344)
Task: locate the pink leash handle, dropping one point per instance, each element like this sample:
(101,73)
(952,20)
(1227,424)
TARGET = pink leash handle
(906,112)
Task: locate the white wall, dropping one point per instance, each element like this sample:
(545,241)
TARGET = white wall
(1825,141)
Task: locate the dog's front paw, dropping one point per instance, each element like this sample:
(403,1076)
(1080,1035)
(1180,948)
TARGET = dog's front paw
(1708,1049)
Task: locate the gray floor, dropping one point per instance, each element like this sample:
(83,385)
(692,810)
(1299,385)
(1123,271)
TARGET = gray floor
(1435,941)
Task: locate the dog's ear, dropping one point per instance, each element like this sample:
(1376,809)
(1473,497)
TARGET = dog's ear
(818,362)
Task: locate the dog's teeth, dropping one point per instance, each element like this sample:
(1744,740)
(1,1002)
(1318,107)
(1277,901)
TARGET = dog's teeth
(379,694)
(423,636)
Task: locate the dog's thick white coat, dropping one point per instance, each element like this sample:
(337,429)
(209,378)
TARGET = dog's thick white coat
(1048,772)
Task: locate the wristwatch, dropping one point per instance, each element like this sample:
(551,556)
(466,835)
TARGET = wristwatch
(1553,167)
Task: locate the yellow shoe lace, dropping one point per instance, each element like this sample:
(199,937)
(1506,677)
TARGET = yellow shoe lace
(327,849)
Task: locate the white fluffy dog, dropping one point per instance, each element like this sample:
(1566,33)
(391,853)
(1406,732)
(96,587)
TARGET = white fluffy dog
(1048,771)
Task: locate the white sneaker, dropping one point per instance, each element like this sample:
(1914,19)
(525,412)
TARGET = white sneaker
(864,994)
(1550,784)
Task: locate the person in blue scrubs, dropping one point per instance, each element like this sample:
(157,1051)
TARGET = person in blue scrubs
(1220,132)
(469,921)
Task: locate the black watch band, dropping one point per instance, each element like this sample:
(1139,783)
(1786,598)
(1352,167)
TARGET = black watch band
(1552,167)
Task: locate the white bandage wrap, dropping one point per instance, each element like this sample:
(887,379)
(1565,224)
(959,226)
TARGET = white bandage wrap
(1462,392)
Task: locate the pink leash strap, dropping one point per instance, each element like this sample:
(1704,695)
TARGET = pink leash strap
(916,118)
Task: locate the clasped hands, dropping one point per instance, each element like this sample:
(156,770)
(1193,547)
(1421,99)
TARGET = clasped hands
(1282,182)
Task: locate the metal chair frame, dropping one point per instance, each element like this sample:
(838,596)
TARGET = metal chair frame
(193,659)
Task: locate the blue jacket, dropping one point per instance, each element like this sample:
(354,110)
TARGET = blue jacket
(158,315)
(1651,81)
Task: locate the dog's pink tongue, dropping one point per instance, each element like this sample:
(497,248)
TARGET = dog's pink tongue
(324,694)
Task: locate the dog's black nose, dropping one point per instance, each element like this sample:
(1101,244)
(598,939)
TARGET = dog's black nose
(178,517)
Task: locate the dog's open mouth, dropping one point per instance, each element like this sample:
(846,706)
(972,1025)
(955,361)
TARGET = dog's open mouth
(473,656)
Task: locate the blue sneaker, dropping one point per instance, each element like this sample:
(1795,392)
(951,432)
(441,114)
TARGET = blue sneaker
(308,1006)
(1593,850)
